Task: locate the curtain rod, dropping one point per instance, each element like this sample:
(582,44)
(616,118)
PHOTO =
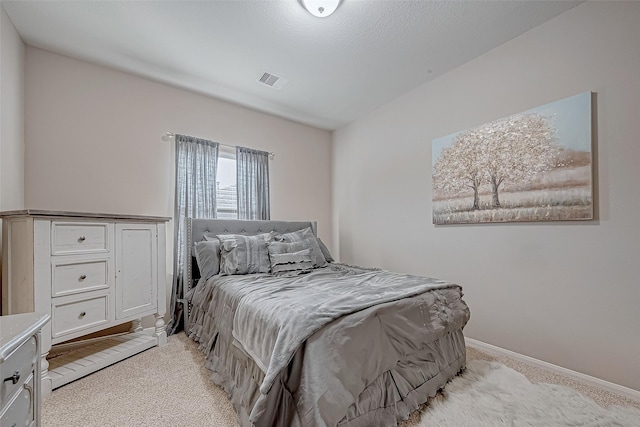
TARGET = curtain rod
(168,135)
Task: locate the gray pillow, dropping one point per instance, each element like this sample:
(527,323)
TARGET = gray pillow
(208,236)
(325,251)
(240,254)
(287,248)
(290,259)
(306,234)
(208,257)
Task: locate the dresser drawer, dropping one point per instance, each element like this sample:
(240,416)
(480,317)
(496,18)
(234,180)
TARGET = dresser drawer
(20,363)
(72,316)
(19,410)
(78,238)
(71,277)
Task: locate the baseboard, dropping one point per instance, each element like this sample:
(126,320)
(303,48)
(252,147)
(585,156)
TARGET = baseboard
(597,382)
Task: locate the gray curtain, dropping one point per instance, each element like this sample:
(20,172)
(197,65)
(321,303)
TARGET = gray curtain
(252,183)
(195,197)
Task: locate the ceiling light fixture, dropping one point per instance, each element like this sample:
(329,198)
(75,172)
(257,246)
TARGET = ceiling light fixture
(320,8)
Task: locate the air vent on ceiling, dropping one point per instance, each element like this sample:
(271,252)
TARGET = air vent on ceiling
(271,80)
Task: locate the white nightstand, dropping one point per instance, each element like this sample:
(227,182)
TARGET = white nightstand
(20,369)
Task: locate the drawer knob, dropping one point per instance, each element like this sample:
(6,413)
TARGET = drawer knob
(84,276)
(13,378)
(81,239)
(82,314)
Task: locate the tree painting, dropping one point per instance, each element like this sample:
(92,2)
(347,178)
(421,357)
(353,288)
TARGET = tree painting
(536,160)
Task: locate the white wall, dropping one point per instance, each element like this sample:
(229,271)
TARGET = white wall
(12,53)
(565,293)
(93,144)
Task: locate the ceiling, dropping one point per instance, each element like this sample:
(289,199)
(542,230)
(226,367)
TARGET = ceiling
(339,68)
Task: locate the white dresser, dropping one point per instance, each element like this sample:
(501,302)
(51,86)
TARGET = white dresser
(20,369)
(89,272)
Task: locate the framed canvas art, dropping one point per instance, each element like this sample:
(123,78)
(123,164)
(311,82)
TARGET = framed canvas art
(531,166)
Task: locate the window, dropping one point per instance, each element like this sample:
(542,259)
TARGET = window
(226,194)
(194,193)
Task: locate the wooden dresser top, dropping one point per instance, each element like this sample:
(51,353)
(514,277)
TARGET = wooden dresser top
(67,214)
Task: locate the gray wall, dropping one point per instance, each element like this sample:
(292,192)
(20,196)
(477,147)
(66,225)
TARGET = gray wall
(565,293)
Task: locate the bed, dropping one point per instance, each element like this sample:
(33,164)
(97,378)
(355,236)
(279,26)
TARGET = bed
(332,345)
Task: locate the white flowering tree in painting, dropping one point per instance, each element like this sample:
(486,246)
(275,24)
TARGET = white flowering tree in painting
(512,150)
(459,167)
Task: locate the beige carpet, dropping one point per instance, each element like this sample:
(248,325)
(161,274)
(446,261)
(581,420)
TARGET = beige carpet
(151,389)
(166,386)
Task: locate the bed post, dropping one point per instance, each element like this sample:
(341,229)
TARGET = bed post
(186,273)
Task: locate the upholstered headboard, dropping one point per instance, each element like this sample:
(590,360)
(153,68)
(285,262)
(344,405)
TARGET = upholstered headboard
(195,230)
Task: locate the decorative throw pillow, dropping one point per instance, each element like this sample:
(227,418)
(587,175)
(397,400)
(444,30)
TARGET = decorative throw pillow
(290,259)
(240,254)
(325,251)
(276,248)
(306,234)
(209,236)
(208,257)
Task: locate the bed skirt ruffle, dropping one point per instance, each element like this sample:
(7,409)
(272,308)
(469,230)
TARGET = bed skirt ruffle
(392,397)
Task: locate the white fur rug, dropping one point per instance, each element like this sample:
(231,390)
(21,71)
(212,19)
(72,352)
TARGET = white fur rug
(491,394)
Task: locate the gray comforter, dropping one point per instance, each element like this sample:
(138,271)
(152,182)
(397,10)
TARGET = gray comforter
(348,325)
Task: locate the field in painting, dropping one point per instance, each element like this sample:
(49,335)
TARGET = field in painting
(562,194)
